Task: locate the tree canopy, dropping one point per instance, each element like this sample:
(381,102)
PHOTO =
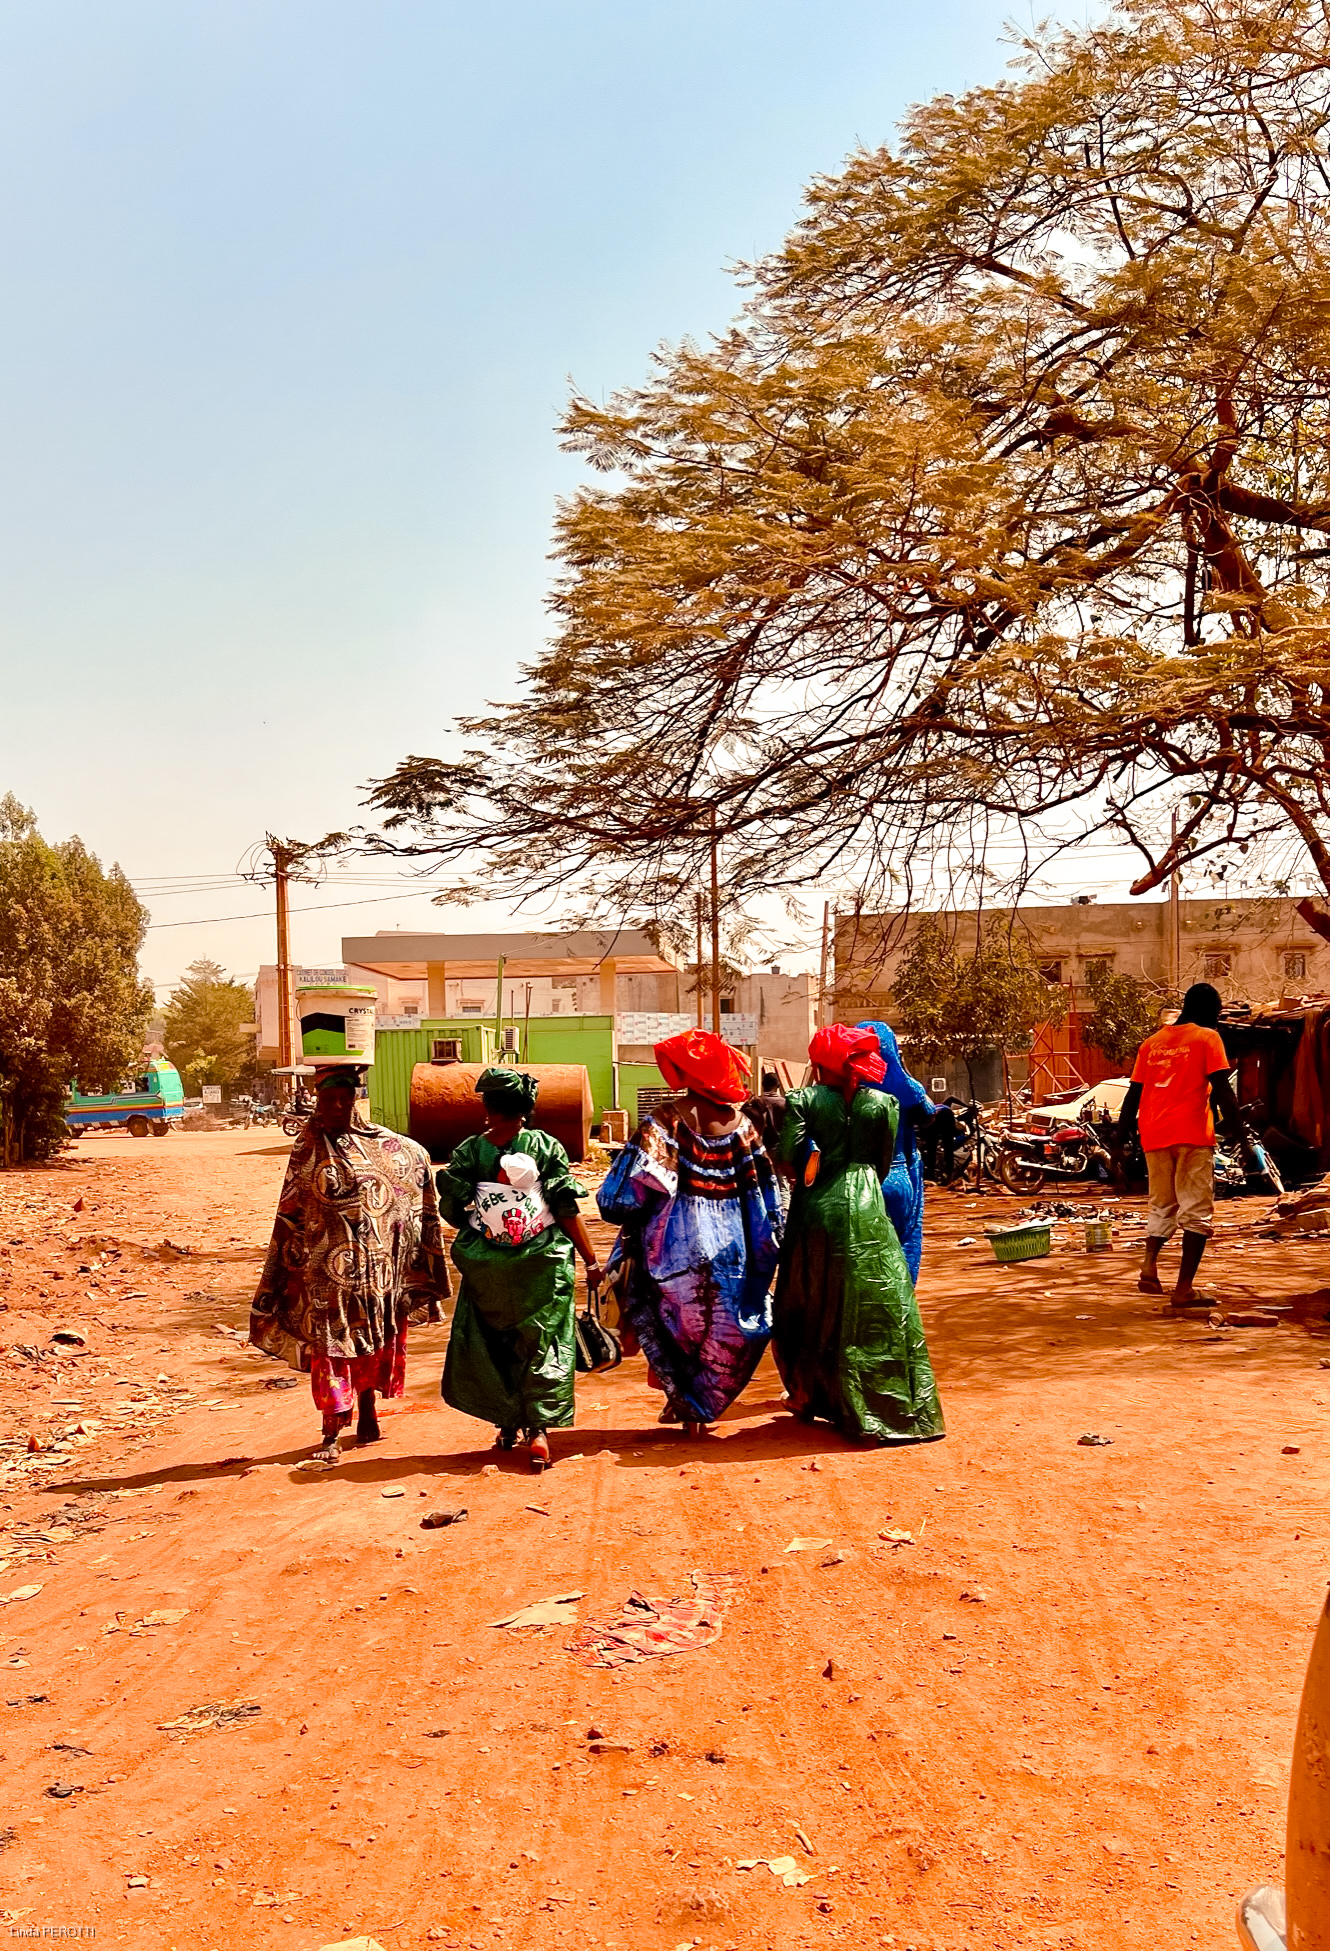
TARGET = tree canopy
(72,1004)
(1002,509)
(203,1034)
(956,1004)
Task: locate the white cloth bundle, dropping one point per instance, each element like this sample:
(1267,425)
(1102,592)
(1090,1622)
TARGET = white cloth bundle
(515,1212)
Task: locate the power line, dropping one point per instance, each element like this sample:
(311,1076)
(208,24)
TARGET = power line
(264,914)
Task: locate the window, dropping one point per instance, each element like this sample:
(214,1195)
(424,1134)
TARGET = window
(1295,964)
(1216,962)
(1098,965)
(1051,971)
(727,1005)
(472,1009)
(446,1050)
(410,1009)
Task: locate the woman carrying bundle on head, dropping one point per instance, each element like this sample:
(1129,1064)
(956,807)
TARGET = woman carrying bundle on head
(846,1335)
(511,1194)
(695,1198)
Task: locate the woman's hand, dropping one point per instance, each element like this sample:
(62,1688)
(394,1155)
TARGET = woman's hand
(595,1275)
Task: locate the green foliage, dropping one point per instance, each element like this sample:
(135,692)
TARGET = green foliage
(1126,1012)
(202,1033)
(955,1005)
(72,1004)
(1003,502)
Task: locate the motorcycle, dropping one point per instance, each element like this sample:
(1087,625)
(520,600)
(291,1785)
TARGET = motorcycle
(260,1114)
(1235,1174)
(1027,1160)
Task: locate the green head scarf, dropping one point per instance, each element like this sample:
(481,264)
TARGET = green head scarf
(512,1092)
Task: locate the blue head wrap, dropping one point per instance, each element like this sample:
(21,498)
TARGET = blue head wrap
(905,1089)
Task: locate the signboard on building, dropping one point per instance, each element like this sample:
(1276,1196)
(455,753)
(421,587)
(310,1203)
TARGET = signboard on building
(318,978)
(211,1093)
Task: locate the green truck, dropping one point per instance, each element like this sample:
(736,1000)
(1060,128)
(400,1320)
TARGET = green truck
(154,1103)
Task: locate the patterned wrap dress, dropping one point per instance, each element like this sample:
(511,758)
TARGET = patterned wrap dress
(511,1353)
(847,1336)
(700,1224)
(356,1253)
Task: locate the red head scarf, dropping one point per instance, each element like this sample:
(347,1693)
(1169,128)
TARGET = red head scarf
(700,1061)
(848,1057)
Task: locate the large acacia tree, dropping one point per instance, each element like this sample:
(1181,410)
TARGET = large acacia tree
(1003,508)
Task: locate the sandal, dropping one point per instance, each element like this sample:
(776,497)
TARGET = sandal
(506,1440)
(539,1446)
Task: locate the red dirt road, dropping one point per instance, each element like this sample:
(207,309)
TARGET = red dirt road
(1061,1716)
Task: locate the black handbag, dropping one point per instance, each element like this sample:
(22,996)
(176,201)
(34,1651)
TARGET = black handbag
(597,1347)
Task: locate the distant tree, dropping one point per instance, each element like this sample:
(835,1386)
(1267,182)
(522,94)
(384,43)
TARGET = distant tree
(1126,1011)
(952,1005)
(203,1034)
(72,1003)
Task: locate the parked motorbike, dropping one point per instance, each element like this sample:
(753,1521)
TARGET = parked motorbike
(260,1114)
(1235,1175)
(1027,1159)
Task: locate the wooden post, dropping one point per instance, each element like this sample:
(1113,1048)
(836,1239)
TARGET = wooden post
(715,928)
(699,959)
(822,973)
(281,861)
(1174,922)
(498,1013)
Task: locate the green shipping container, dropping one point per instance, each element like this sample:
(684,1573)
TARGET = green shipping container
(550,1040)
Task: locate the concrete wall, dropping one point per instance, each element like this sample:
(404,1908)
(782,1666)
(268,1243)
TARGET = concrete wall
(1253,950)
(786,1010)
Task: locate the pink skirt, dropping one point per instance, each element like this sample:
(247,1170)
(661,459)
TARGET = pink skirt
(336,1380)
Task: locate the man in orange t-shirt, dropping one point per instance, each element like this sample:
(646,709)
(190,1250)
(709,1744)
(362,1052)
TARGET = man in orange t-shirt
(1179,1072)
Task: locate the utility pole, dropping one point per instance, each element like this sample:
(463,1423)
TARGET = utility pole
(698,985)
(822,972)
(715,928)
(1174,920)
(282,857)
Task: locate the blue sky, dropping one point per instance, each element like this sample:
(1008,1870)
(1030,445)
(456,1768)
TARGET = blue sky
(293,296)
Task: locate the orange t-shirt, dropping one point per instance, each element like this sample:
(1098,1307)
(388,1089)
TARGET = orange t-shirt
(1174,1067)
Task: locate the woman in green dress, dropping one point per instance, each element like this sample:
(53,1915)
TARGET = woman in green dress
(846,1334)
(511,1194)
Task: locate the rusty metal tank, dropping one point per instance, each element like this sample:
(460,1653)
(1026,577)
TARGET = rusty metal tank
(445,1108)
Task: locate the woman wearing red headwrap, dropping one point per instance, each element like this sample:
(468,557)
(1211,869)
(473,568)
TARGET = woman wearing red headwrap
(846,1333)
(695,1199)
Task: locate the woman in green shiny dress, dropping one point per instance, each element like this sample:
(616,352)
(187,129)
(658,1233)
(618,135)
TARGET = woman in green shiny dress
(846,1335)
(511,1353)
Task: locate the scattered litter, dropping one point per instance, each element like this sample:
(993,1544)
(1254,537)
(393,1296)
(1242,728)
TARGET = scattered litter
(213,1714)
(897,1537)
(836,1558)
(435,1520)
(489,1469)
(804,1840)
(282,1382)
(1251,1317)
(1092,1442)
(831,1671)
(808,1544)
(167,1616)
(353,1944)
(59,1791)
(784,1867)
(650,1625)
(70,1748)
(70,1338)
(978,1597)
(969,1240)
(19,1593)
(392,1490)
(558,1611)
(539,1509)
(1291,1449)
(601,1746)
(136,1883)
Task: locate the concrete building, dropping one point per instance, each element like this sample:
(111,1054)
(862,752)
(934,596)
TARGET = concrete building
(1253,949)
(640,995)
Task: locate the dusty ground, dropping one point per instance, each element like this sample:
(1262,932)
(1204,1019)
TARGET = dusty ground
(1061,1716)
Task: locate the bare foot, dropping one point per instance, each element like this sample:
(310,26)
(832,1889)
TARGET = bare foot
(368,1431)
(1150,1284)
